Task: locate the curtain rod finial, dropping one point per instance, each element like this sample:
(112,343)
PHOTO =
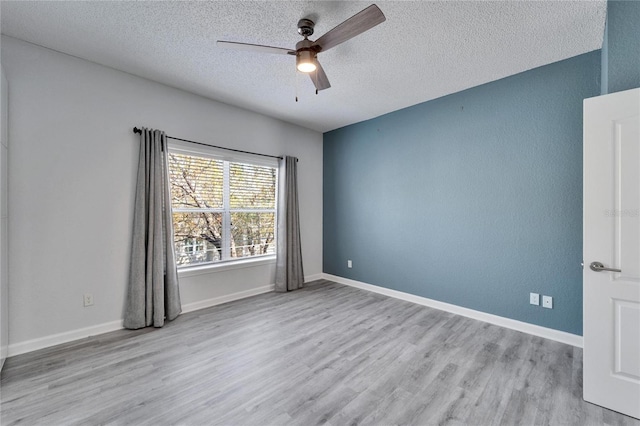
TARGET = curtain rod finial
(136,130)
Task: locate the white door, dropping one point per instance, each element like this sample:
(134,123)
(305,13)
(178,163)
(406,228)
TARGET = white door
(612,240)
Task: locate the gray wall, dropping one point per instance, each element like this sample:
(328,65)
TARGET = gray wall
(474,199)
(72,175)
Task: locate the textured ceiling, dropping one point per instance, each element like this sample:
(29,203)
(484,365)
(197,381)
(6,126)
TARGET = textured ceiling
(424,50)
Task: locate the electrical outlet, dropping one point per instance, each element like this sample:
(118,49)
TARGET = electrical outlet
(88,300)
(349,264)
(547,302)
(534,299)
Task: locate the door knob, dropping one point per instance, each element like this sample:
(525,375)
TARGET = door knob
(598,267)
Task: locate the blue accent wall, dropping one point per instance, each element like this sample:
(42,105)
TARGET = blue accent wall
(621,47)
(473,199)
(604,60)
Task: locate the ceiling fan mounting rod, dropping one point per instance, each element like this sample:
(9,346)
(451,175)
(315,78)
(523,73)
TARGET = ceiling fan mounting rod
(305,27)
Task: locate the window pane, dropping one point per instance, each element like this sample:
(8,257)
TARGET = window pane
(198,237)
(252,234)
(196,182)
(252,187)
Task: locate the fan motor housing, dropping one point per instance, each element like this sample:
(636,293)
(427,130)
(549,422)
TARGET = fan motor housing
(304,45)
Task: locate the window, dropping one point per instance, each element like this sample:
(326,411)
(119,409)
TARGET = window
(223,210)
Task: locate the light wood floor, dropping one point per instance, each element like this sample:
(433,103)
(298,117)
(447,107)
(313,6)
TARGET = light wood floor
(328,354)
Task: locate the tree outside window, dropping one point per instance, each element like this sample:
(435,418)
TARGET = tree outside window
(222,210)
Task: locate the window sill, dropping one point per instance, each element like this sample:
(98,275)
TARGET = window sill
(225,266)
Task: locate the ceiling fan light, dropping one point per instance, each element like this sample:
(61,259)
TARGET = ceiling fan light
(306,67)
(305,61)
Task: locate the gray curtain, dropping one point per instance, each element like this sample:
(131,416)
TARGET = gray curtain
(153,293)
(289,273)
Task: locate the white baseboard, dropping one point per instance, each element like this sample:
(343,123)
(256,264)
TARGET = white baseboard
(313,277)
(536,330)
(82,333)
(201,304)
(67,336)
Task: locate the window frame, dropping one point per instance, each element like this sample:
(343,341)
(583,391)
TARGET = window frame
(227,157)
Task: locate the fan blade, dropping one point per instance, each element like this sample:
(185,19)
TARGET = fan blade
(319,77)
(254,47)
(357,24)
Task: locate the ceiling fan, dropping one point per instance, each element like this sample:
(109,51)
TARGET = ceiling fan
(306,50)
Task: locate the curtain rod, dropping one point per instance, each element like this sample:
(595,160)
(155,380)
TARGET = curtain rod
(139,131)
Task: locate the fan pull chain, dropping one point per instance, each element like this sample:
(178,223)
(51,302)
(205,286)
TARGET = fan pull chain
(296,86)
